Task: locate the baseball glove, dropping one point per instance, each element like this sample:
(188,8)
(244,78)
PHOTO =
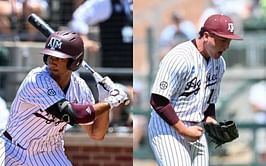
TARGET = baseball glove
(222,132)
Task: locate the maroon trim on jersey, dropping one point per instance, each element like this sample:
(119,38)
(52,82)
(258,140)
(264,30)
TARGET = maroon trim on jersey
(164,109)
(85,113)
(210,111)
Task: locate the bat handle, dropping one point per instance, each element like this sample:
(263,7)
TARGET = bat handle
(97,76)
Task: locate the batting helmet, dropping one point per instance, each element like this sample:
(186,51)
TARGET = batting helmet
(65,44)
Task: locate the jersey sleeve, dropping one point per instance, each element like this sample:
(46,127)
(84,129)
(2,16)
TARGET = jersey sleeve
(172,73)
(40,90)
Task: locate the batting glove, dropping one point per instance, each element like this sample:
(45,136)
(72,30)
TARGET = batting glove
(103,93)
(117,97)
(107,83)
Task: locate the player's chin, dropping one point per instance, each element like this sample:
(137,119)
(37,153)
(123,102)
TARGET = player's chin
(217,55)
(53,71)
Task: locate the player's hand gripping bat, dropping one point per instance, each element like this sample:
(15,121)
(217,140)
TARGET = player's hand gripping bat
(46,30)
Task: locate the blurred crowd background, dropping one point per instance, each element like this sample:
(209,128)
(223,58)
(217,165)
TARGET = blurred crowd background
(160,25)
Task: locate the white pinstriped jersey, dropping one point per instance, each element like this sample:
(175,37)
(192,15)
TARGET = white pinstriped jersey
(28,124)
(189,81)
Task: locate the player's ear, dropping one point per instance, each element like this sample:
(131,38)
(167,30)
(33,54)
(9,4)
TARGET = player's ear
(205,36)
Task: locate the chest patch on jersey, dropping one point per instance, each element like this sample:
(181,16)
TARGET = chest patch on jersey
(51,92)
(163,85)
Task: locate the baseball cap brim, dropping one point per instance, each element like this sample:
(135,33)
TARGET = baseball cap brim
(228,36)
(55,53)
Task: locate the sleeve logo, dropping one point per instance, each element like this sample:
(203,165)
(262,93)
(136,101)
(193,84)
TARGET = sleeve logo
(163,85)
(51,92)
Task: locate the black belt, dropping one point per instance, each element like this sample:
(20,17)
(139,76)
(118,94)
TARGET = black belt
(8,136)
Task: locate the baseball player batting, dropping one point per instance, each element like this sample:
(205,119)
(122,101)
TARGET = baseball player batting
(49,98)
(184,94)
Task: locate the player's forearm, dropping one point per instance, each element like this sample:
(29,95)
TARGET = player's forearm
(180,127)
(101,123)
(164,109)
(101,108)
(100,126)
(190,133)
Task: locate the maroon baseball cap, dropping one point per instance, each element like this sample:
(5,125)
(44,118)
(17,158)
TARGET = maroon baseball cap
(222,26)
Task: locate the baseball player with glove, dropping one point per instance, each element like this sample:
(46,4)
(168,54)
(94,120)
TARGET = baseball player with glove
(49,98)
(184,94)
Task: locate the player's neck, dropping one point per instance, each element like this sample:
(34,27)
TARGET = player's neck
(64,84)
(63,80)
(199,45)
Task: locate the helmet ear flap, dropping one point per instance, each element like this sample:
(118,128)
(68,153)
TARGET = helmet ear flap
(74,64)
(44,58)
(69,63)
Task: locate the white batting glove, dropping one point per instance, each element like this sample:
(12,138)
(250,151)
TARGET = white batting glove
(103,88)
(107,83)
(117,97)
(102,93)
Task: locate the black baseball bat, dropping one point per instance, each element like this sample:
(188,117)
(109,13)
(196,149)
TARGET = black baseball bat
(39,24)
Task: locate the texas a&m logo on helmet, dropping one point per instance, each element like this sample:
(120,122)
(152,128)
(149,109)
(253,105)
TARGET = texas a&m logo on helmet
(55,43)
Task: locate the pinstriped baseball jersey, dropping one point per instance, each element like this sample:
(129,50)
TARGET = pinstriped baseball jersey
(13,155)
(29,125)
(189,81)
(171,149)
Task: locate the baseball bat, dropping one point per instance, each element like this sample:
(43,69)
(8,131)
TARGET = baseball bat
(46,30)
